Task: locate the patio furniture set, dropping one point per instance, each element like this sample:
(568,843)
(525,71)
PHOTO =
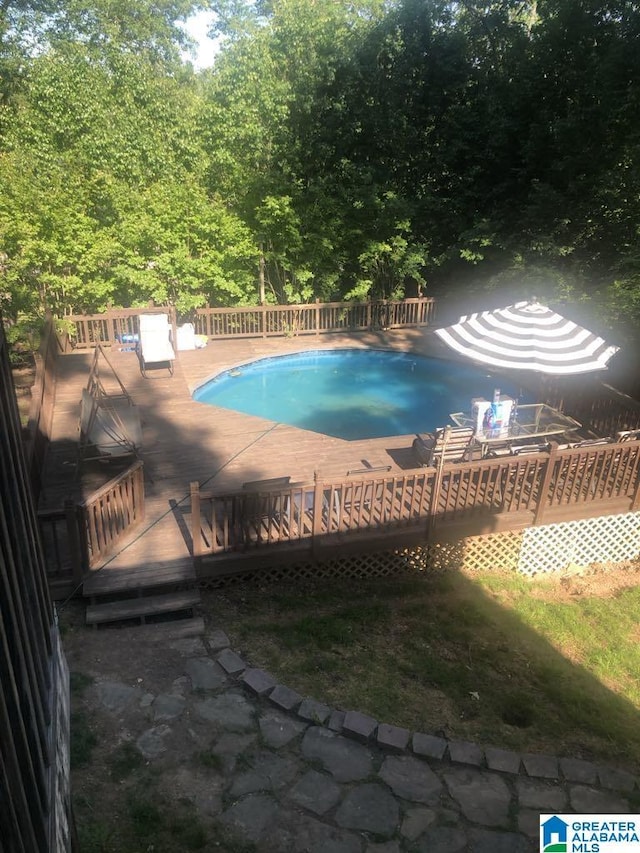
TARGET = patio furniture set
(527,432)
(525,336)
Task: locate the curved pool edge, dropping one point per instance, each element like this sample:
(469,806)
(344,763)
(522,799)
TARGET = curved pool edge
(350,392)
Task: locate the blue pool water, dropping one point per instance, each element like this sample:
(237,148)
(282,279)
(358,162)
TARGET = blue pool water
(353,394)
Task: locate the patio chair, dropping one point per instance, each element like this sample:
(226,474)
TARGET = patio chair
(264,509)
(448,444)
(591,442)
(628,435)
(154,347)
(523,449)
(510,449)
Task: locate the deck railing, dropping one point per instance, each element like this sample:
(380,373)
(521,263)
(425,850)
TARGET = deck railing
(536,486)
(114,326)
(313,319)
(595,404)
(111,512)
(80,536)
(117,325)
(534,489)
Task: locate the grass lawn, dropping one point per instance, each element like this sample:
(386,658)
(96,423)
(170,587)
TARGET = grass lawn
(550,665)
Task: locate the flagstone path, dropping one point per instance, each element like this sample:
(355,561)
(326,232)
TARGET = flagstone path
(293,775)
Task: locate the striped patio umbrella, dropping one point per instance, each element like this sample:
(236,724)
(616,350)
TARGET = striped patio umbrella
(528,336)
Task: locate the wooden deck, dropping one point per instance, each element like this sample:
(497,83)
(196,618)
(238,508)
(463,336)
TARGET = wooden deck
(185,441)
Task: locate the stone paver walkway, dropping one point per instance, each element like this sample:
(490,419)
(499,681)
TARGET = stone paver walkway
(293,775)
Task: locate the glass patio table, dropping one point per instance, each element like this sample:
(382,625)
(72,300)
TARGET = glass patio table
(532,421)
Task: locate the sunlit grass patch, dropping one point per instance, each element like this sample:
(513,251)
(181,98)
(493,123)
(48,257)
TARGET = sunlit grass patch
(498,658)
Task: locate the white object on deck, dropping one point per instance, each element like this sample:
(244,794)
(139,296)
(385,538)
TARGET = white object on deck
(154,347)
(186,337)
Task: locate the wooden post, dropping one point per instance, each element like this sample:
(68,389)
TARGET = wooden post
(138,491)
(635,502)
(543,491)
(196,529)
(435,495)
(317,316)
(437,485)
(317,509)
(111,330)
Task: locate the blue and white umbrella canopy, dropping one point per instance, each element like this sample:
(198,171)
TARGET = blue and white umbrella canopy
(528,336)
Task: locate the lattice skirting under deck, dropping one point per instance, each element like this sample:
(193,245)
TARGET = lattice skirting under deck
(355,566)
(610,539)
(578,544)
(607,540)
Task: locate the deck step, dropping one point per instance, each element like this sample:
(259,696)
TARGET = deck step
(162,632)
(142,606)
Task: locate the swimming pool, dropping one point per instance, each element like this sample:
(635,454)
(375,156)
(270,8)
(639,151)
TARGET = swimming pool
(353,393)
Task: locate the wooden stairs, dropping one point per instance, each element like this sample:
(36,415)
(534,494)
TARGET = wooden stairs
(163,594)
(146,608)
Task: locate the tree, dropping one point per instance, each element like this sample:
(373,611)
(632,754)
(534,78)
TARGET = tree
(368,147)
(261,101)
(104,200)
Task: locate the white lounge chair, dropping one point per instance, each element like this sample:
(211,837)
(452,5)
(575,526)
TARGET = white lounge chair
(154,347)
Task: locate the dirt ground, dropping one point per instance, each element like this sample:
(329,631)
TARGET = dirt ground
(122,801)
(601,581)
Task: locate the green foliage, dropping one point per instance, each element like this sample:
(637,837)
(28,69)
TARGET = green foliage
(210,759)
(78,683)
(23,337)
(104,203)
(125,759)
(176,245)
(83,740)
(369,148)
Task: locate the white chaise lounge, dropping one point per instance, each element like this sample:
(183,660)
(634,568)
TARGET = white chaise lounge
(154,347)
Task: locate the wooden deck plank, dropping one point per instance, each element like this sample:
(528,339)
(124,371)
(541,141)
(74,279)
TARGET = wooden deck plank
(139,575)
(146,606)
